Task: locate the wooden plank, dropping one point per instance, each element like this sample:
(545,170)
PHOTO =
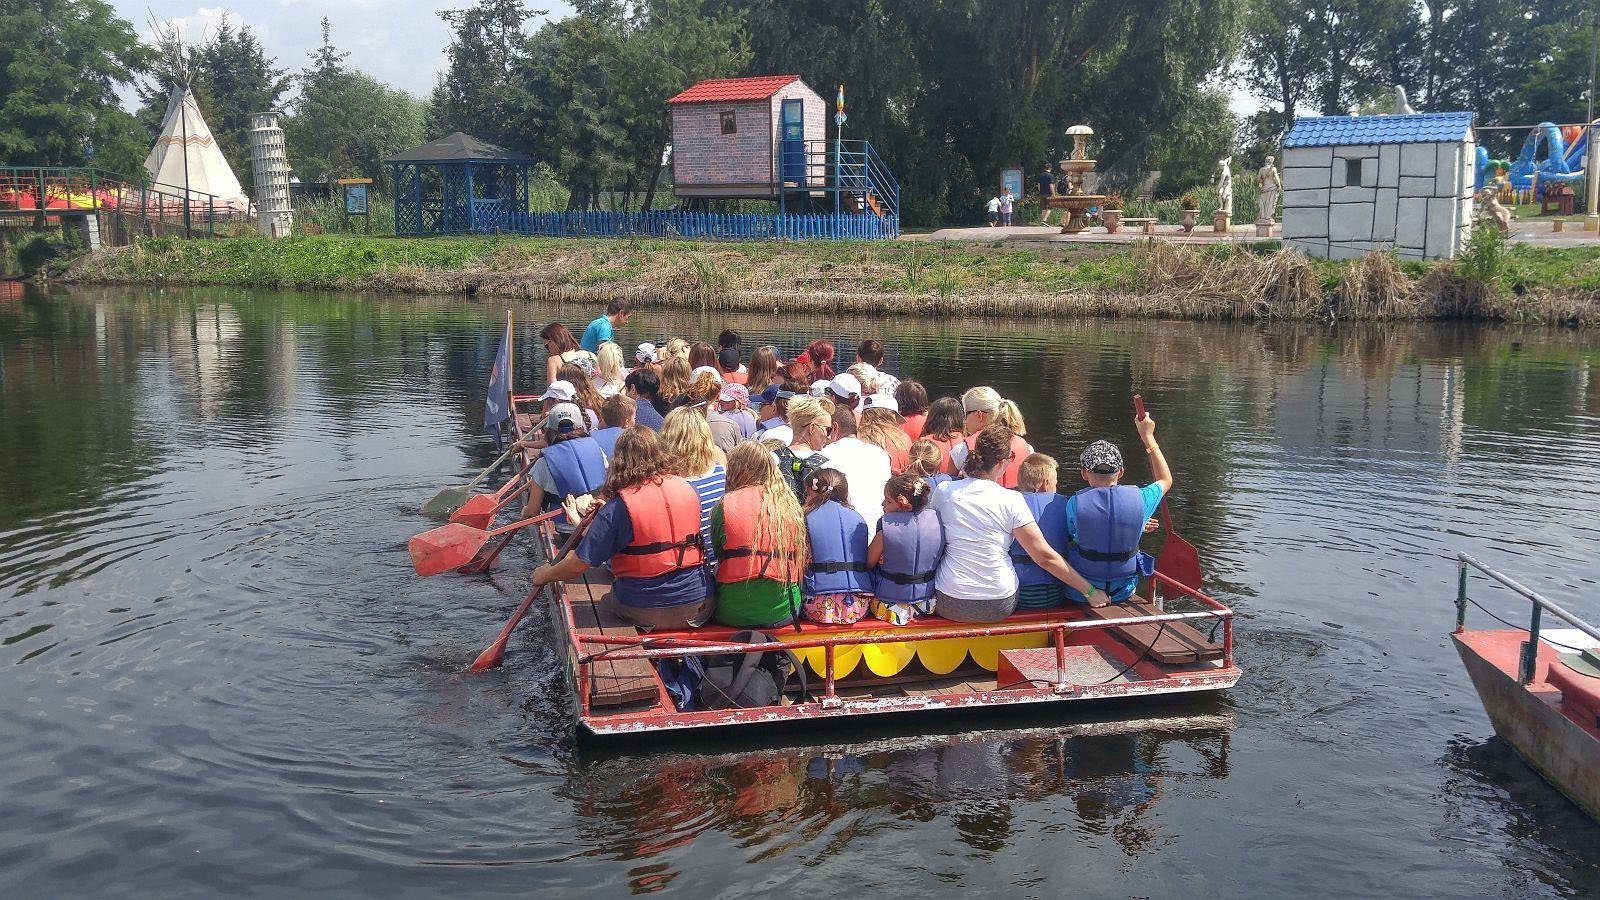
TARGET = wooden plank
(612,682)
(1178,644)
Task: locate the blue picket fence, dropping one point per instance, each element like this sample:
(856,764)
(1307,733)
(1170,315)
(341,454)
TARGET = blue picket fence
(492,218)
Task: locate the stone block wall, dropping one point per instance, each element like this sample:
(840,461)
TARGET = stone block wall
(1413,198)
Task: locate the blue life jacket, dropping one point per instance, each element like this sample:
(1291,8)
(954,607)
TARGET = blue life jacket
(1110,521)
(1050,512)
(838,551)
(912,546)
(607,439)
(577,466)
(937,479)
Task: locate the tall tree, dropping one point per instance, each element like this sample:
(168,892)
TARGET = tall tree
(240,81)
(346,122)
(479,91)
(62,61)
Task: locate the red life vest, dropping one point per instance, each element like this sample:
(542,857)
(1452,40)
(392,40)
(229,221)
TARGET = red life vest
(665,516)
(746,553)
(947,466)
(1019,452)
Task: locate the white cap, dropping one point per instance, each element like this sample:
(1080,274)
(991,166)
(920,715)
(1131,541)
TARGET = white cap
(696,373)
(845,385)
(560,391)
(778,433)
(647,353)
(564,417)
(880,401)
(818,388)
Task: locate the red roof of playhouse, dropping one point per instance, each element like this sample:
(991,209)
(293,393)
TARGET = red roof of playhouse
(723,90)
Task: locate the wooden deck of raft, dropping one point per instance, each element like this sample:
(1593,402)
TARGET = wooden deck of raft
(630,682)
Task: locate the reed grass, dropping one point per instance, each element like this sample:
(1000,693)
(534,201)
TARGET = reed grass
(1256,282)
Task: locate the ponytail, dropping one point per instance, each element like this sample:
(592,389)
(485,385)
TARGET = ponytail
(915,491)
(1011,417)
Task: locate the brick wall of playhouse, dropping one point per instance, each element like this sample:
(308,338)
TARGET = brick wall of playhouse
(814,114)
(706,162)
(1414,198)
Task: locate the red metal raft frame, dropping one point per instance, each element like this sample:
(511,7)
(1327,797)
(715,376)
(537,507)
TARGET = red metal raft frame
(1043,675)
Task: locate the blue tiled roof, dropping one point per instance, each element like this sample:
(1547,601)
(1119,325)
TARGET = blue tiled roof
(1417,128)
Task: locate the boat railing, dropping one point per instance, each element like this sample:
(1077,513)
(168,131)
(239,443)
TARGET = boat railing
(1527,664)
(631,647)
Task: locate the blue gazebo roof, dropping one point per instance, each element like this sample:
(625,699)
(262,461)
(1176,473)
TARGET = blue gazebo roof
(1414,128)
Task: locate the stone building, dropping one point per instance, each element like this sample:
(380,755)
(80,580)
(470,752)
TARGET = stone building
(1354,184)
(742,137)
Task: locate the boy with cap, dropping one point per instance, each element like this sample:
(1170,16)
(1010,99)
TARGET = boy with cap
(570,464)
(775,400)
(1106,519)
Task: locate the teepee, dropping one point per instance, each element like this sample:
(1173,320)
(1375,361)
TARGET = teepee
(186,156)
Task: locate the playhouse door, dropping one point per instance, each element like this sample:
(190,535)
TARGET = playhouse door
(793,130)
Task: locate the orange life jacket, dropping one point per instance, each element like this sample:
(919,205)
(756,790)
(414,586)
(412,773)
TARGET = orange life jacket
(1019,452)
(947,466)
(746,553)
(666,529)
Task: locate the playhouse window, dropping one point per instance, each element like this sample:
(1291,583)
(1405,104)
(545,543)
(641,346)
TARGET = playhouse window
(729,125)
(1352,173)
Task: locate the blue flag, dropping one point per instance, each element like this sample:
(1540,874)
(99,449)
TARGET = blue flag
(497,406)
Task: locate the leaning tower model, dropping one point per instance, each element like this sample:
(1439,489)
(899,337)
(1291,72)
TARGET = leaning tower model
(274,212)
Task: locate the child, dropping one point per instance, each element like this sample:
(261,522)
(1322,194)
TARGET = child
(838,587)
(925,459)
(617,412)
(1036,479)
(904,555)
(1105,519)
(757,532)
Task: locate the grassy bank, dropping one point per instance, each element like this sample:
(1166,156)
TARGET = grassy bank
(1493,281)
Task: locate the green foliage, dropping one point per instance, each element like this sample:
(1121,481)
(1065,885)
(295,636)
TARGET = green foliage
(60,64)
(1484,258)
(346,122)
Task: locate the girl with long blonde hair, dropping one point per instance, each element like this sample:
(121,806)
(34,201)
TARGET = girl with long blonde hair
(674,380)
(758,532)
(763,369)
(881,427)
(608,371)
(687,440)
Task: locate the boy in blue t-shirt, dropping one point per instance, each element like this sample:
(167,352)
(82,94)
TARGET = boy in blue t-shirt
(1104,541)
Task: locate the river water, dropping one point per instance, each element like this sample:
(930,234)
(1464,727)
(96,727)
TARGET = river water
(220,676)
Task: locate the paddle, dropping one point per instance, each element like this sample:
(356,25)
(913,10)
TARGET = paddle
(491,657)
(1178,560)
(453,546)
(450,499)
(480,509)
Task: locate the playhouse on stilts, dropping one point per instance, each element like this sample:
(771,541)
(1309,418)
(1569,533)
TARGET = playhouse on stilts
(737,142)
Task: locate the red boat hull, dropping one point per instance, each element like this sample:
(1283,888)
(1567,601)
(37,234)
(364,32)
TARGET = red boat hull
(1554,733)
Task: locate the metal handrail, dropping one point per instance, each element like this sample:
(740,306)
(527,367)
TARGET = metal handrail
(1528,663)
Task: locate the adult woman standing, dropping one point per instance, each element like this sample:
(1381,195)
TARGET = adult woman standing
(976,582)
(984,407)
(687,440)
(648,529)
(757,532)
(562,347)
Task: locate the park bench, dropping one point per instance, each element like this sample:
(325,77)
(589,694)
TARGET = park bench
(1147,225)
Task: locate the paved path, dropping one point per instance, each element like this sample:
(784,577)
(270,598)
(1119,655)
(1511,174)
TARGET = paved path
(1523,231)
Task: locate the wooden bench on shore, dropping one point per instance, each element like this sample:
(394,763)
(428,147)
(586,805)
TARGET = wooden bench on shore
(1146,225)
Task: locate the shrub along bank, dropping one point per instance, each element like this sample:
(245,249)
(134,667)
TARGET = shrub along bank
(1259,281)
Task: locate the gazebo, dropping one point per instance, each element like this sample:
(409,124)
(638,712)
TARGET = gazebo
(460,185)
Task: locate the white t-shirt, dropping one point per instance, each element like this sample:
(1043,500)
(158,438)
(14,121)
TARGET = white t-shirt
(979,516)
(866,468)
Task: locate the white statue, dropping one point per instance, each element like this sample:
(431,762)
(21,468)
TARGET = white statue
(1268,187)
(1225,186)
(1402,107)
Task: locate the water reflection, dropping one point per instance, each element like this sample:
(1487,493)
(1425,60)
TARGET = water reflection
(813,800)
(205,495)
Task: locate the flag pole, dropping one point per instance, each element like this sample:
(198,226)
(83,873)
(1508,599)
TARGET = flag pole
(511,371)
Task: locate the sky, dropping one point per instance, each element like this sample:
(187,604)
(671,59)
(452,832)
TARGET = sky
(399,42)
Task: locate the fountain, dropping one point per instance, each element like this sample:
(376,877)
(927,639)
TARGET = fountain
(1075,201)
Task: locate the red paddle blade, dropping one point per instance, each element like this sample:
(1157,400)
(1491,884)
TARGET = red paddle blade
(444,548)
(477,512)
(1181,562)
(490,658)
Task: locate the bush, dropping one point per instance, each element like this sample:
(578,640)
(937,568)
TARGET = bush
(1484,259)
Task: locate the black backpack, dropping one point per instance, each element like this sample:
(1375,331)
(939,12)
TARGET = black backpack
(747,680)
